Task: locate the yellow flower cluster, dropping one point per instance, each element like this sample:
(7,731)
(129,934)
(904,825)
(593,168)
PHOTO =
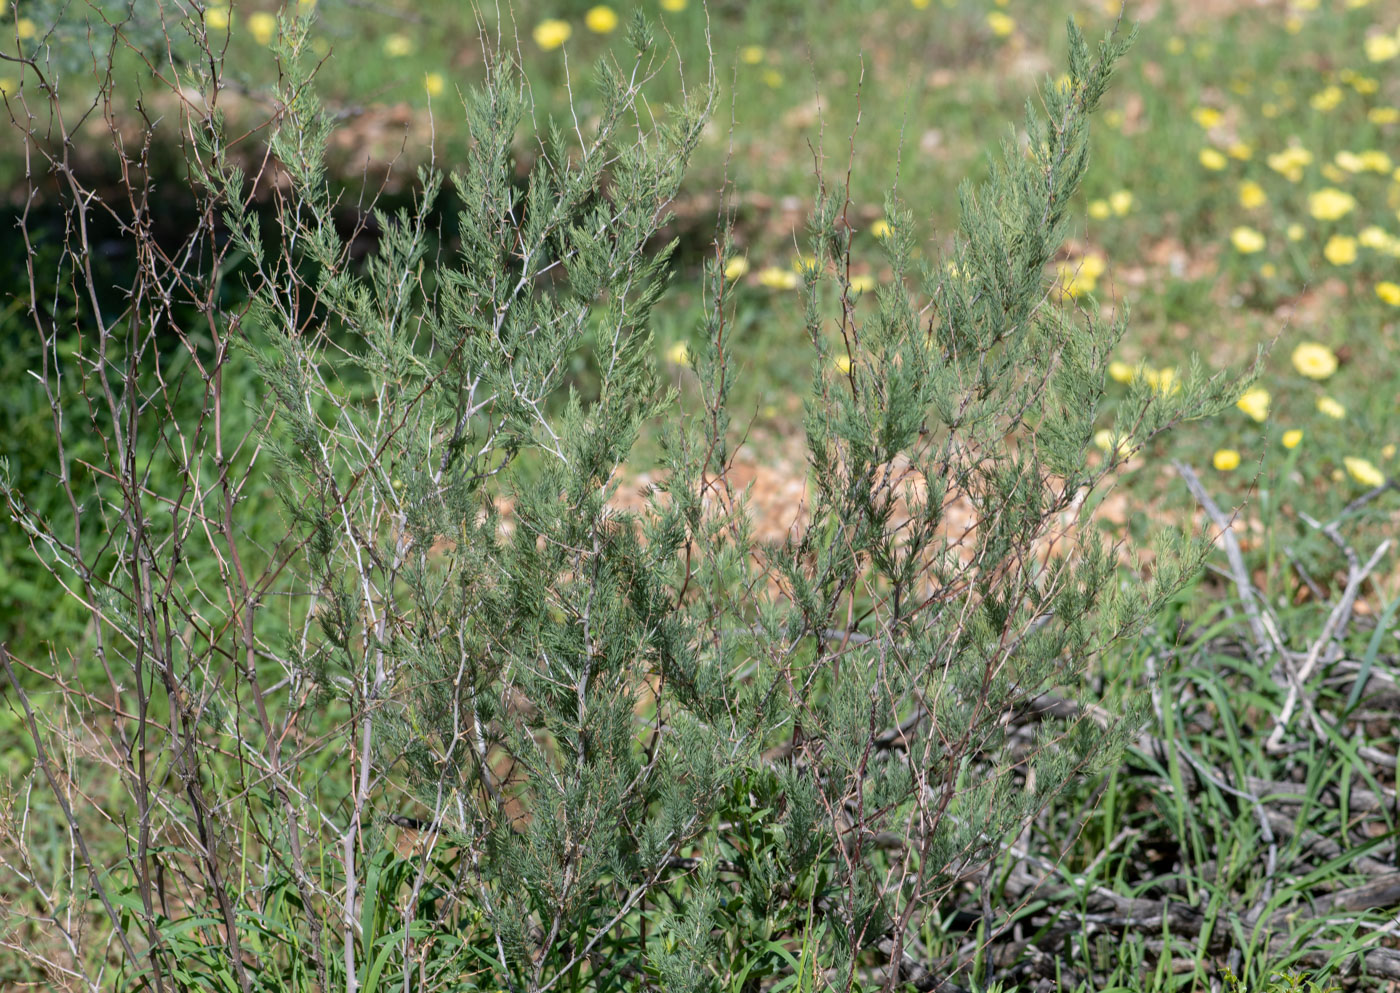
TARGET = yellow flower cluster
(1118,445)
(263,26)
(1213,159)
(1226,460)
(1246,240)
(1255,403)
(1207,117)
(1165,381)
(551,33)
(1370,160)
(1363,471)
(1328,407)
(1382,47)
(1001,24)
(600,20)
(1117,205)
(1290,162)
(1340,250)
(1314,360)
(1252,195)
(1330,204)
(1077,277)
(778,279)
(1326,99)
(398,45)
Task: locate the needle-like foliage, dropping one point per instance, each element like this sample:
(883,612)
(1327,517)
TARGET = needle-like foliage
(466,723)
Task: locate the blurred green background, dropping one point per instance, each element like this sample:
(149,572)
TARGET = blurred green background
(1242,190)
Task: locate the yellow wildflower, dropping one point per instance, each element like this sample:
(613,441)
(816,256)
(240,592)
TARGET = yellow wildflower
(1093,265)
(1176,46)
(1290,162)
(1340,249)
(1268,270)
(1314,360)
(752,54)
(551,33)
(778,279)
(1383,115)
(216,18)
(678,354)
(1226,459)
(1112,442)
(1074,283)
(1291,437)
(881,228)
(1331,408)
(772,78)
(1382,47)
(600,19)
(1388,452)
(1239,150)
(1326,98)
(1252,195)
(736,268)
(1389,293)
(1294,232)
(1213,159)
(843,364)
(1246,240)
(8,85)
(26,29)
(1332,174)
(1162,381)
(804,264)
(1121,372)
(1329,203)
(1207,117)
(1001,24)
(1255,403)
(1374,160)
(1349,161)
(673,5)
(1099,209)
(1374,236)
(397,45)
(434,83)
(862,284)
(263,26)
(1363,471)
(1120,202)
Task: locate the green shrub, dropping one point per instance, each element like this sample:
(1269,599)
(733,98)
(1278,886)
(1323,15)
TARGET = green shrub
(464,723)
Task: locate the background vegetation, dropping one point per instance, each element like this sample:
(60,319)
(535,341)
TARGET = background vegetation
(1241,194)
